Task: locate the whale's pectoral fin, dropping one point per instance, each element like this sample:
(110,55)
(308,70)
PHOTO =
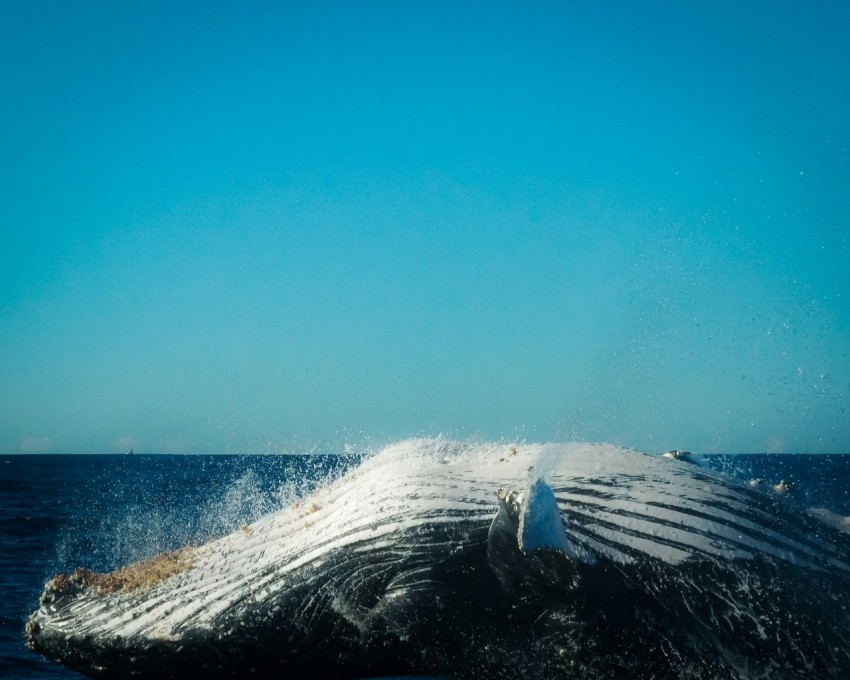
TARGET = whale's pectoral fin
(527,546)
(540,525)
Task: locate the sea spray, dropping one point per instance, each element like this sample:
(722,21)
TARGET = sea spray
(143,507)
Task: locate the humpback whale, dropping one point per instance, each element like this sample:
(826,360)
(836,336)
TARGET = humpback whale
(471,560)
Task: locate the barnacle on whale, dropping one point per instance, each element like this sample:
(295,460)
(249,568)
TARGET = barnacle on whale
(134,576)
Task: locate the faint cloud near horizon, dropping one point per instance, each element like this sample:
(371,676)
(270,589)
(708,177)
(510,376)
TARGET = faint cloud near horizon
(36,445)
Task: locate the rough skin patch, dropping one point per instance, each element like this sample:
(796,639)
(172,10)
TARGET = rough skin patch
(144,574)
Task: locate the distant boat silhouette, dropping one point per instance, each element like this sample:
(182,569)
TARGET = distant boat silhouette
(130,452)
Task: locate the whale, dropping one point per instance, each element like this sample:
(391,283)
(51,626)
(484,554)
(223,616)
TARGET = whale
(470,560)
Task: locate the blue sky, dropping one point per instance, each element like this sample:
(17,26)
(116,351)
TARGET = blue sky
(268,227)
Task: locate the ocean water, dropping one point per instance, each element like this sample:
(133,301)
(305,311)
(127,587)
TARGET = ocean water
(102,511)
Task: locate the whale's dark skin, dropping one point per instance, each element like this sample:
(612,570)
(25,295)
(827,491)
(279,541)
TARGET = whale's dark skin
(448,559)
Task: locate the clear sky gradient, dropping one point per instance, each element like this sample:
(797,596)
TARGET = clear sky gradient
(276,226)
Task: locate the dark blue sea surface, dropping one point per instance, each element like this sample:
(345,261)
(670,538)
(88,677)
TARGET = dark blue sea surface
(58,512)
